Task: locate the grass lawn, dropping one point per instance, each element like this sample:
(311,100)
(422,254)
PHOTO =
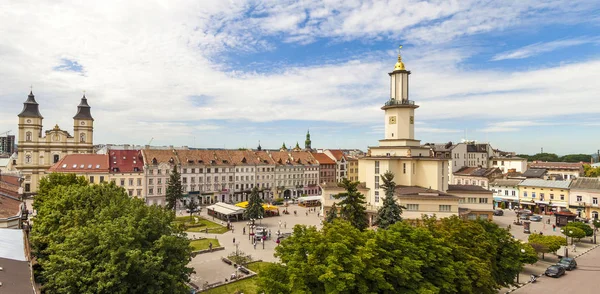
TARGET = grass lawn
(202,224)
(257,266)
(203,244)
(247,286)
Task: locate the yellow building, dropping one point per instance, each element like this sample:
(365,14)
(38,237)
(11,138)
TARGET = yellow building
(399,152)
(38,150)
(543,195)
(352,169)
(584,196)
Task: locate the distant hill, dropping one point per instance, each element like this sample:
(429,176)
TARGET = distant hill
(555,158)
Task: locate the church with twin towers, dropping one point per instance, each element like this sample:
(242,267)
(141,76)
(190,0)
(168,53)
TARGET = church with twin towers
(39,149)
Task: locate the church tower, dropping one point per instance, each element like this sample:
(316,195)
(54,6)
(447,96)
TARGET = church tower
(307,142)
(83,123)
(30,132)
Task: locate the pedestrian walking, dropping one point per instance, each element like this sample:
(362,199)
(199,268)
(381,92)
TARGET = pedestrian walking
(554,227)
(233,240)
(278,241)
(244,231)
(574,247)
(285,225)
(280,224)
(307,213)
(210,246)
(232,228)
(254,244)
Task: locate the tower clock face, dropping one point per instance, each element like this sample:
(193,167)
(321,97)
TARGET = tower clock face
(83,123)
(392,120)
(28,121)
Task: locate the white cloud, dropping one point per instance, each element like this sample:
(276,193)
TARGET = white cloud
(543,47)
(513,126)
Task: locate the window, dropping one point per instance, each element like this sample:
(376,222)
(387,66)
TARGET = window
(376,167)
(130,192)
(404,168)
(130,182)
(562,196)
(82,137)
(208,170)
(579,198)
(159,181)
(56,158)
(445,207)
(471,200)
(159,190)
(551,196)
(101,179)
(505,192)
(376,196)
(595,201)
(138,192)
(28,136)
(532,195)
(376,182)
(151,191)
(139,182)
(27,158)
(514,193)
(184,180)
(27,187)
(483,200)
(542,196)
(412,207)
(92,179)
(525,194)
(150,182)
(158,172)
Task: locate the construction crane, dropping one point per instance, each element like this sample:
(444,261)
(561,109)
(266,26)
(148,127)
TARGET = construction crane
(150,141)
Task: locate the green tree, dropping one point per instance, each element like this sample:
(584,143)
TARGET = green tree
(174,189)
(191,206)
(352,205)
(552,243)
(574,233)
(585,227)
(255,207)
(590,171)
(530,254)
(576,158)
(390,213)
(540,248)
(331,214)
(596,223)
(97,239)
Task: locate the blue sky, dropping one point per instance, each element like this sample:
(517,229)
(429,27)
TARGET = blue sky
(521,75)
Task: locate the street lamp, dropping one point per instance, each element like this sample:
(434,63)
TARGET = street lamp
(567,242)
(522,252)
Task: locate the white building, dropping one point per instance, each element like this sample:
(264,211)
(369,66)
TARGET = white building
(508,163)
(506,191)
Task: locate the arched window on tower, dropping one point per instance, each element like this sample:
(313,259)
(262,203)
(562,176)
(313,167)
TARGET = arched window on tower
(28,136)
(82,137)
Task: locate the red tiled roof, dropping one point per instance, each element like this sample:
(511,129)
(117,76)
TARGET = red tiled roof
(241,157)
(322,158)
(338,154)
(280,157)
(82,163)
(161,155)
(9,207)
(303,157)
(264,157)
(126,161)
(13,180)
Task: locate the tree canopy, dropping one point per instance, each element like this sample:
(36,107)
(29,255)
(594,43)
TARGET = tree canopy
(174,189)
(390,213)
(590,171)
(432,256)
(352,205)
(555,158)
(254,209)
(97,239)
(331,214)
(585,227)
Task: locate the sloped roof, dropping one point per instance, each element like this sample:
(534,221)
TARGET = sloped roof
(477,171)
(337,154)
(126,160)
(534,173)
(161,156)
(222,157)
(322,158)
(303,157)
(241,157)
(281,157)
(586,184)
(501,182)
(467,188)
(545,184)
(264,157)
(82,163)
(557,165)
(194,157)
(9,206)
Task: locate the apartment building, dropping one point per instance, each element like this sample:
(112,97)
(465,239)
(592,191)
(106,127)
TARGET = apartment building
(126,169)
(584,196)
(543,195)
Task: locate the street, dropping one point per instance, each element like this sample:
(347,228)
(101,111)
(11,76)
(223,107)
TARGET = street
(582,280)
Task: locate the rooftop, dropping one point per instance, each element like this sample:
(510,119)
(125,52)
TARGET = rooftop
(545,184)
(501,182)
(9,206)
(420,192)
(557,165)
(586,184)
(535,173)
(322,158)
(82,163)
(467,188)
(15,275)
(126,161)
(477,171)
(338,154)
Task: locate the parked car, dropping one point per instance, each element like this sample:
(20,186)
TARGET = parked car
(555,271)
(568,263)
(524,212)
(195,209)
(524,217)
(499,212)
(535,218)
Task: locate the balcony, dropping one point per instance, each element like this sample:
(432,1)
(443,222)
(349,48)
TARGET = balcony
(394,102)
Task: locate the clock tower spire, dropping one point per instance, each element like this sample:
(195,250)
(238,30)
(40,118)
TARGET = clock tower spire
(400,110)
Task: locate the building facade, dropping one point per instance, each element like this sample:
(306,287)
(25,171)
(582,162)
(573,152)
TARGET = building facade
(39,150)
(544,196)
(127,171)
(158,165)
(94,167)
(477,176)
(327,168)
(341,164)
(567,170)
(509,163)
(353,169)
(475,202)
(584,196)
(7,144)
(507,191)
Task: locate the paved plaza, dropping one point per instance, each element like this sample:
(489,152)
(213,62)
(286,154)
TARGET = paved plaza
(209,267)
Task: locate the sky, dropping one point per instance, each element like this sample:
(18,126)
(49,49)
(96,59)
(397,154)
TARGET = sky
(521,75)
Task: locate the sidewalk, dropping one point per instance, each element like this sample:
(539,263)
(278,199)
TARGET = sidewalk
(539,267)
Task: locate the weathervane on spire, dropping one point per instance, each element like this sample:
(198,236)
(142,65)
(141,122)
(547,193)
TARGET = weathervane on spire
(399,65)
